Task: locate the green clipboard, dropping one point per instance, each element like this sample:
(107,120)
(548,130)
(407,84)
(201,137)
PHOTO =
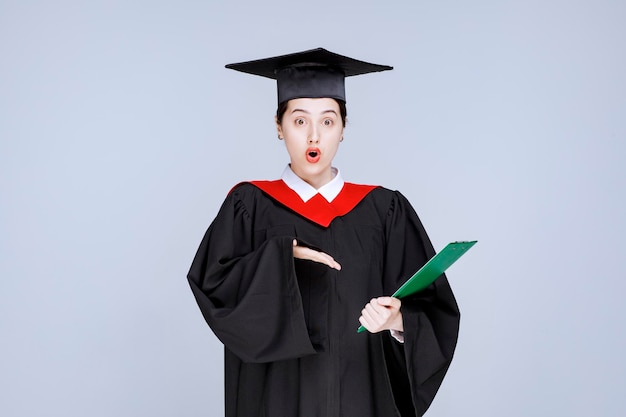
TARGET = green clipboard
(431,270)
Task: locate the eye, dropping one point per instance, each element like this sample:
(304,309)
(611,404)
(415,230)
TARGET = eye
(327,122)
(299,121)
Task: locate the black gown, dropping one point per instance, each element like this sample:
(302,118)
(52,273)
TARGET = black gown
(289,326)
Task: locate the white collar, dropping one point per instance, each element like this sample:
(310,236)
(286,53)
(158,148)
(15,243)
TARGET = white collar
(306,191)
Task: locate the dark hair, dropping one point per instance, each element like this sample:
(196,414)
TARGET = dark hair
(282,108)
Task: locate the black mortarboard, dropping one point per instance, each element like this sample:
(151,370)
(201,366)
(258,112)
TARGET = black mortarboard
(309,74)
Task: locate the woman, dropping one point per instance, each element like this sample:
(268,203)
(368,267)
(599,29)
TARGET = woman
(288,266)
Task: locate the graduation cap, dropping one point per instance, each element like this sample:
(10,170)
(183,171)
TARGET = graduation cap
(315,73)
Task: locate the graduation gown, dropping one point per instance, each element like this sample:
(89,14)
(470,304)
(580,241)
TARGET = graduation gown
(289,326)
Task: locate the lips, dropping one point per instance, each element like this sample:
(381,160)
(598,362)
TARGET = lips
(313,155)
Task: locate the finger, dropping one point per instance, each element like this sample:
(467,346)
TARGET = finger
(367,322)
(324,258)
(371,322)
(375,314)
(389,302)
(377,308)
(302,252)
(330,261)
(383,315)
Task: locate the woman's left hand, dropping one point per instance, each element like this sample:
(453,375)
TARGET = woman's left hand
(382,313)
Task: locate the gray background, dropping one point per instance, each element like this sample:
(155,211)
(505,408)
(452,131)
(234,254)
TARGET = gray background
(121,133)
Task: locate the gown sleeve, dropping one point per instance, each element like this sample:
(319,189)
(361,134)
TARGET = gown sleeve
(249,295)
(430,317)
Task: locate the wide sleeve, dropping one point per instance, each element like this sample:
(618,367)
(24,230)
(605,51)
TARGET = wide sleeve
(430,318)
(248,291)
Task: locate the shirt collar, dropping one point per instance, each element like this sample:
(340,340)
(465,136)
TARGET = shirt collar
(306,191)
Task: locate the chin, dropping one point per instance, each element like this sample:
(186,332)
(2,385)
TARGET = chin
(308,171)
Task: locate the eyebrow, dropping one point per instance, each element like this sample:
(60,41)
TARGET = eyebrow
(307,112)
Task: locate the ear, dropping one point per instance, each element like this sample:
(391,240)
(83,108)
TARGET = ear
(279,128)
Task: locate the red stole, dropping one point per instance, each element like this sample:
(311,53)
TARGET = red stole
(317,209)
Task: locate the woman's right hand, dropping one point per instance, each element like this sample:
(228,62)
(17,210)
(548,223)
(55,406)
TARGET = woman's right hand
(302,252)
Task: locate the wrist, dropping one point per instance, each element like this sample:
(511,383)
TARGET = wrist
(397,324)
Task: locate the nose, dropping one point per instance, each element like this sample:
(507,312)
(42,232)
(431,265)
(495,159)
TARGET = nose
(314,136)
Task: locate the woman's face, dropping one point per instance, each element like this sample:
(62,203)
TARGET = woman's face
(312,129)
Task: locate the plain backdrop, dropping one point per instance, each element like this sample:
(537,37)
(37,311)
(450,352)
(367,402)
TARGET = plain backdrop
(121,133)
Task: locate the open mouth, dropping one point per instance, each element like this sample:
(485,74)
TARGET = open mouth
(313,155)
